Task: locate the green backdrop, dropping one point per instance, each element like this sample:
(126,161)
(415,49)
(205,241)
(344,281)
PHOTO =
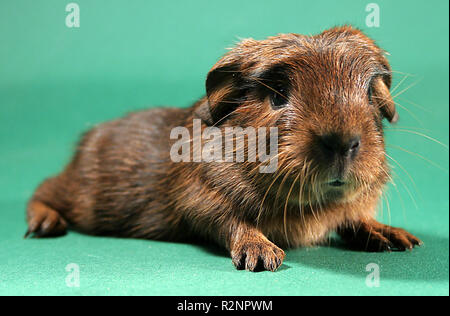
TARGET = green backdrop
(56,82)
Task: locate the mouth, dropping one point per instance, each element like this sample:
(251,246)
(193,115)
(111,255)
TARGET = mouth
(336,183)
(331,190)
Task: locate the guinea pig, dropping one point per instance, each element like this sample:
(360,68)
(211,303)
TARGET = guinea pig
(326,95)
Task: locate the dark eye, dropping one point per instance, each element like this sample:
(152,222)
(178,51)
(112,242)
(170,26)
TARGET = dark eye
(278,98)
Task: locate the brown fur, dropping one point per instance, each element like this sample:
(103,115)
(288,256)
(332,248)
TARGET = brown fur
(122,182)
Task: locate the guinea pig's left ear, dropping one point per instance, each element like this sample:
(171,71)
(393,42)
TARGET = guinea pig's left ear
(381,97)
(225,91)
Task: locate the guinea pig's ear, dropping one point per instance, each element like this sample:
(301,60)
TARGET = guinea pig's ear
(381,97)
(225,91)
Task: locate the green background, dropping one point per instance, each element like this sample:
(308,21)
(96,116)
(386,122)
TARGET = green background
(56,82)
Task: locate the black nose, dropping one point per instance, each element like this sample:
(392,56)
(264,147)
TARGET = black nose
(332,144)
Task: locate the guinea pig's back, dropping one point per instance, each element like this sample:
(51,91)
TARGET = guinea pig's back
(129,144)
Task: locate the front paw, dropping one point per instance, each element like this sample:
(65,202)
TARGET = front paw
(376,237)
(392,238)
(257,256)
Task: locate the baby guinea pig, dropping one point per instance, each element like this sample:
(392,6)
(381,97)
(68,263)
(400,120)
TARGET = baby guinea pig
(327,95)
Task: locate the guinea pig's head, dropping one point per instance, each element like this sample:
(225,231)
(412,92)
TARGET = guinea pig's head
(327,95)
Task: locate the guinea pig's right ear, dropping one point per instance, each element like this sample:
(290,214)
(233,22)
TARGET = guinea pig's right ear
(224,91)
(381,97)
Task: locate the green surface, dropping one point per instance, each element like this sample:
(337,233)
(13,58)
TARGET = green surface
(56,82)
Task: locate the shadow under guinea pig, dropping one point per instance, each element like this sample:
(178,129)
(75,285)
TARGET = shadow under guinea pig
(427,262)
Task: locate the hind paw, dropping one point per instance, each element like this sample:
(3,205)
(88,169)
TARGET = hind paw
(44,221)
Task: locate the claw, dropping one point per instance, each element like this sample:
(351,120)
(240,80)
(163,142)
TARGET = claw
(27,234)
